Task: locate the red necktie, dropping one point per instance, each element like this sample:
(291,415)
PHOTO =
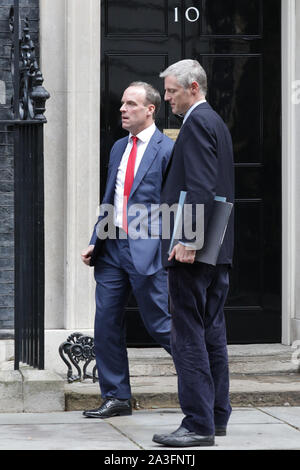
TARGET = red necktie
(129,177)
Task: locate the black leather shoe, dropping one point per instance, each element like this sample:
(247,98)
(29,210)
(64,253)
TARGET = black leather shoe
(182,437)
(109,408)
(220,430)
(181,431)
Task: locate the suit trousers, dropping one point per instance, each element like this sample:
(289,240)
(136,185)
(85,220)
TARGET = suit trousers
(116,277)
(199,346)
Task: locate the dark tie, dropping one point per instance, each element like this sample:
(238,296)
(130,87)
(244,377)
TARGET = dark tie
(129,177)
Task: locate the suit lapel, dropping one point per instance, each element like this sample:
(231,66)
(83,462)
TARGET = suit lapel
(169,164)
(148,157)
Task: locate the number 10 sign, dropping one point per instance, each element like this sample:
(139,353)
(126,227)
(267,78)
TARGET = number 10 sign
(192,14)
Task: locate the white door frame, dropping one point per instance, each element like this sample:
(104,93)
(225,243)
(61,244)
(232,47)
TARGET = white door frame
(289,203)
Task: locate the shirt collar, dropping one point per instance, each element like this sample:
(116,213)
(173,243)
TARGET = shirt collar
(146,134)
(192,109)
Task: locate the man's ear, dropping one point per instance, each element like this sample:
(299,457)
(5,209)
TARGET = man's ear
(151,108)
(195,87)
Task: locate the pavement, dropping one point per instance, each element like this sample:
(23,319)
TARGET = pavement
(250,428)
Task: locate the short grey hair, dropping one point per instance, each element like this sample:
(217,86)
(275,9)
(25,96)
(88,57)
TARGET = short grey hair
(186,72)
(152,95)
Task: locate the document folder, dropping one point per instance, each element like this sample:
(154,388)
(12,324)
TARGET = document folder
(215,233)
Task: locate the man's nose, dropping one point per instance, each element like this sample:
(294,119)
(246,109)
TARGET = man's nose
(122,107)
(166,97)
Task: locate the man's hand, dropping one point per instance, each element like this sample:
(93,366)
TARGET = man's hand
(86,255)
(182,254)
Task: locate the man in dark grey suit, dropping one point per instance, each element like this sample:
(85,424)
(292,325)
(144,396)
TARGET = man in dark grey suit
(202,165)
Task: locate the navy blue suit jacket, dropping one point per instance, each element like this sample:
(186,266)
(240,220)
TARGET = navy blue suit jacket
(146,189)
(202,165)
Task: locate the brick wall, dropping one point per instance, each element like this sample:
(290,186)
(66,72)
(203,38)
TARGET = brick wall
(30,9)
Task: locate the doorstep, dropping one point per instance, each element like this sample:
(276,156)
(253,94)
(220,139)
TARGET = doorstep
(260,375)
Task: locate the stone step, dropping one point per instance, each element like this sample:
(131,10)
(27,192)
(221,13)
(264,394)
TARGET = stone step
(161,392)
(260,375)
(265,375)
(243,359)
(248,359)
(31,391)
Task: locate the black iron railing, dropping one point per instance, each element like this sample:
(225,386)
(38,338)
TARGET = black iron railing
(28,107)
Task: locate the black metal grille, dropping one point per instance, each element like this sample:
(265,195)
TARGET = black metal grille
(28,107)
(29,245)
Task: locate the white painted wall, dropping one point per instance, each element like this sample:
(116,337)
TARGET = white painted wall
(70,63)
(295,324)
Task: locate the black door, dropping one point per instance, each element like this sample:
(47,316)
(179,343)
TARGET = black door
(238,42)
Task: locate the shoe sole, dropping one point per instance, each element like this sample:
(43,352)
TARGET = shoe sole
(121,413)
(220,433)
(207,443)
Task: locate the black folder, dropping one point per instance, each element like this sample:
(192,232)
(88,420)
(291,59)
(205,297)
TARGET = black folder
(215,232)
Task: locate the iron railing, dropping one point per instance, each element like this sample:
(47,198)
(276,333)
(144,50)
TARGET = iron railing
(28,107)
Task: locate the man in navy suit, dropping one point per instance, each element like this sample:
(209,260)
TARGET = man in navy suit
(125,261)
(201,165)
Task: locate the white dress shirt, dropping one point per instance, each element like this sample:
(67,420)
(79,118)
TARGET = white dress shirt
(142,143)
